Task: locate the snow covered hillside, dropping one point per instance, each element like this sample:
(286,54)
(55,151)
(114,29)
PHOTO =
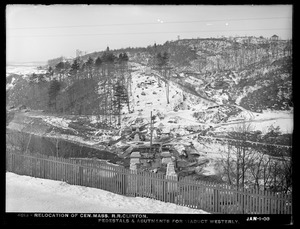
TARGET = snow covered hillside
(181,119)
(149,96)
(29,194)
(215,87)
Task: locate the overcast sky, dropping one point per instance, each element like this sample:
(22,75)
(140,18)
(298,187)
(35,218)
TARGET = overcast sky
(39,33)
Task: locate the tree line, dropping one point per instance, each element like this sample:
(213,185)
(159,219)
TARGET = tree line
(98,86)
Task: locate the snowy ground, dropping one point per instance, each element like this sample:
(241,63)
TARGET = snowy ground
(263,121)
(29,194)
(148,96)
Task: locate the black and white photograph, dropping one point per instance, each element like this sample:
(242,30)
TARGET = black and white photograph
(123,112)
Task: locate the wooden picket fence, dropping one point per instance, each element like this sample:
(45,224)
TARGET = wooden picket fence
(210,197)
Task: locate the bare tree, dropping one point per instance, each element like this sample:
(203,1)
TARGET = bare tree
(252,165)
(243,154)
(17,140)
(259,169)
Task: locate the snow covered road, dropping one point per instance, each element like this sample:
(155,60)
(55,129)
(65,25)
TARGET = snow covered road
(29,194)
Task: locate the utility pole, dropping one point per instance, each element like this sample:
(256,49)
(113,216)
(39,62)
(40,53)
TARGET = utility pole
(167,77)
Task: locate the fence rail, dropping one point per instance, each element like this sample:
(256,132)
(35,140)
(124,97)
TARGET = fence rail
(214,198)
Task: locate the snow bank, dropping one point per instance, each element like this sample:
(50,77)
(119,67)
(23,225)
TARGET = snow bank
(29,194)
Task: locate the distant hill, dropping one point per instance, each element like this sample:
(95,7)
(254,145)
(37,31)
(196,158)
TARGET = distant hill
(30,63)
(252,72)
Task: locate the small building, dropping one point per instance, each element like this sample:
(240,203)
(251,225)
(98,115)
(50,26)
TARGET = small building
(274,37)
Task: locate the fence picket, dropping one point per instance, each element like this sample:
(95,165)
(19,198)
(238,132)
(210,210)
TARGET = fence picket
(279,207)
(252,202)
(184,191)
(73,169)
(46,170)
(273,204)
(264,203)
(189,195)
(192,196)
(94,177)
(202,197)
(260,205)
(247,202)
(116,181)
(205,198)
(51,169)
(244,198)
(114,186)
(257,201)
(267,202)
(55,168)
(277,203)
(43,168)
(248,199)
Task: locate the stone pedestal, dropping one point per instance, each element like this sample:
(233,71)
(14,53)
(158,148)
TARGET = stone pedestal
(166,157)
(170,169)
(135,155)
(133,166)
(171,175)
(134,159)
(166,160)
